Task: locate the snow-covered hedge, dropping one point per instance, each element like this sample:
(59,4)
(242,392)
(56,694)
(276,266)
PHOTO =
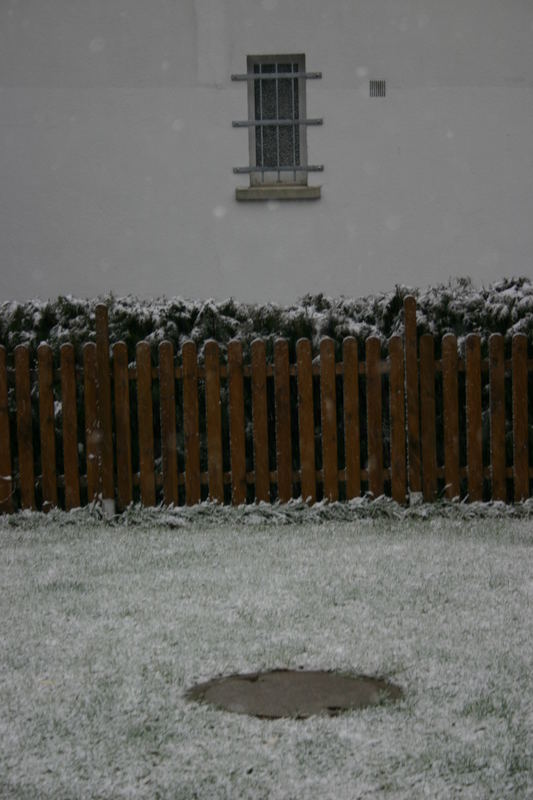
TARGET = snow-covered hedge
(458,307)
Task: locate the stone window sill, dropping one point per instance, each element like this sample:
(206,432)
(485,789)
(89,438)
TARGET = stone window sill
(278,192)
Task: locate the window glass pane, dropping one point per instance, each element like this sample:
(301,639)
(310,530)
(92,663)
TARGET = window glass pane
(268,99)
(270,146)
(286,96)
(286,146)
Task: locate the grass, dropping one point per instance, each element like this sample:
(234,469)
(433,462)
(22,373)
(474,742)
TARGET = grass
(103,627)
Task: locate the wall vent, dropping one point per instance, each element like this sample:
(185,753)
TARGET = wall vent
(378,88)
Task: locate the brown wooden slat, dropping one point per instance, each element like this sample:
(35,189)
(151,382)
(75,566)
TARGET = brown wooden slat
(497,416)
(260,421)
(412,397)
(145,424)
(70,427)
(46,426)
(6,477)
(427,417)
(236,422)
(191,430)
(93,436)
(450,390)
(352,430)
(24,427)
(167,408)
(474,452)
(397,420)
(520,428)
(103,402)
(374,416)
(214,421)
(306,423)
(328,413)
(283,419)
(122,425)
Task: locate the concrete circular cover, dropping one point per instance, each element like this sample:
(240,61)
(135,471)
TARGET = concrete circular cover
(294,693)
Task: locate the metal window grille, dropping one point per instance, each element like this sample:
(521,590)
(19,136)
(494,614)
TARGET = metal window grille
(277,117)
(378,88)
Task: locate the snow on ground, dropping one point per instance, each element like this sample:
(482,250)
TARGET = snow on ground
(105,623)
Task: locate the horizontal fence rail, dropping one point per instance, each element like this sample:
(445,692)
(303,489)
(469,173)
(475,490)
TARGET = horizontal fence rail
(408,415)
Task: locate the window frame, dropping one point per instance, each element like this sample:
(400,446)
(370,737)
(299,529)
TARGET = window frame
(275,177)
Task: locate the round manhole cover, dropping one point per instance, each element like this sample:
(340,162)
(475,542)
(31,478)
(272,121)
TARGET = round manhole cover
(294,693)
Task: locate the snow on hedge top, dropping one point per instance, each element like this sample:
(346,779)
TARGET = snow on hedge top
(456,307)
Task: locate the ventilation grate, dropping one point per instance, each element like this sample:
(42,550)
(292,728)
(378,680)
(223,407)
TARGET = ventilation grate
(378,88)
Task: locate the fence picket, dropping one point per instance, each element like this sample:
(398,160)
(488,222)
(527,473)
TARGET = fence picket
(427,417)
(24,427)
(122,425)
(214,421)
(167,409)
(6,478)
(236,423)
(103,403)
(474,452)
(352,434)
(306,423)
(520,427)
(497,416)
(328,412)
(191,428)
(283,419)
(93,434)
(374,416)
(47,426)
(70,427)
(145,423)
(260,421)
(397,420)
(412,397)
(450,391)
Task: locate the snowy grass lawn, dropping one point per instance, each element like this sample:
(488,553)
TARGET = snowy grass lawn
(103,628)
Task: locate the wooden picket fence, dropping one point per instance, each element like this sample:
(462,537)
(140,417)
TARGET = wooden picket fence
(408,422)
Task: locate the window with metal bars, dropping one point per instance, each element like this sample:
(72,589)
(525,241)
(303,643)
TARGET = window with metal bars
(277,121)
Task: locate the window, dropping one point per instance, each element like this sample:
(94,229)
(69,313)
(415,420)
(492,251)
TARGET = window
(277,128)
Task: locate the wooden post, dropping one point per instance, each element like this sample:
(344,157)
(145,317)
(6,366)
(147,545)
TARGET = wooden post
(328,413)
(167,408)
(236,423)
(474,442)
(283,419)
(6,478)
(260,421)
(520,427)
(214,421)
(122,425)
(397,420)
(497,416)
(191,430)
(47,426)
(450,390)
(374,416)
(24,427)
(427,419)
(93,431)
(306,423)
(70,427)
(411,393)
(103,404)
(352,431)
(145,423)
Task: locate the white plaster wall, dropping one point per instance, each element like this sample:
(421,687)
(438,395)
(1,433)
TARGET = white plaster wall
(116,147)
